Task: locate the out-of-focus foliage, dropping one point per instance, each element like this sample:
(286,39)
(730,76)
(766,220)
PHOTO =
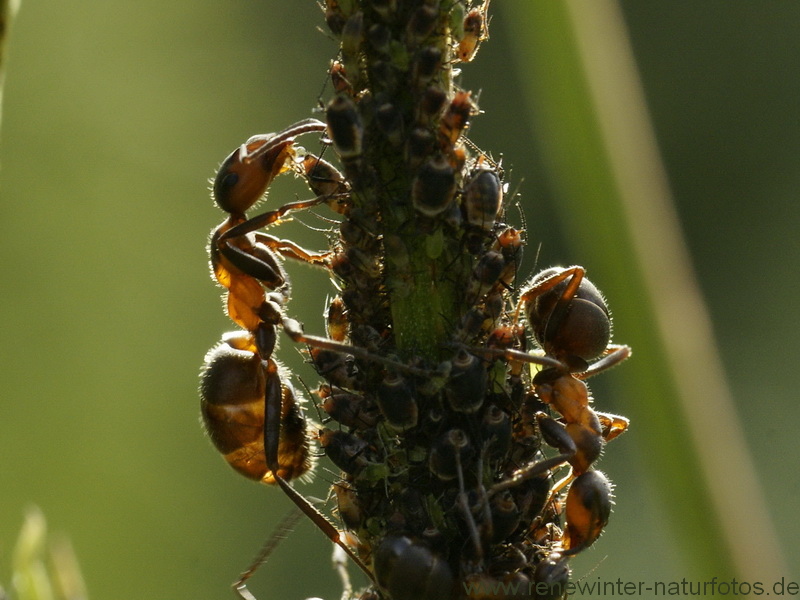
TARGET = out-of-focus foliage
(44,568)
(115,116)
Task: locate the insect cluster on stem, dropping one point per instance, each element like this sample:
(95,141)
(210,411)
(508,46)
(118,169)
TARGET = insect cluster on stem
(436,408)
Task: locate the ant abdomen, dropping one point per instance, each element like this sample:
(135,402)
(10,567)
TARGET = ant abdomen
(588,508)
(233,385)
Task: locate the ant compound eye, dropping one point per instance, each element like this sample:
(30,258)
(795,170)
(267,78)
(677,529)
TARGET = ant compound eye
(223,185)
(239,184)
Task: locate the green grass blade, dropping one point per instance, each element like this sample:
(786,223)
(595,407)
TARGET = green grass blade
(8,9)
(585,100)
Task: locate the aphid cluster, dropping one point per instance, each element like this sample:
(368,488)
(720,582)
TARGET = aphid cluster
(436,409)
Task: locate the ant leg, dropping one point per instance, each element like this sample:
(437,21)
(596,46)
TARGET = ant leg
(272,438)
(339,560)
(520,356)
(559,310)
(324,525)
(294,330)
(255,261)
(268,218)
(280,533)
(616,353)
(556,436)
(548,283)
(532,470)
(271,445)
(612,425)
(559,437)
(289,249)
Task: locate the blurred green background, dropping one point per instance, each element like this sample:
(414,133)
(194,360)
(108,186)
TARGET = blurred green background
(117,113)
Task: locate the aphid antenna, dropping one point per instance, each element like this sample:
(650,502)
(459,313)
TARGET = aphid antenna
(512,198)
(327,80)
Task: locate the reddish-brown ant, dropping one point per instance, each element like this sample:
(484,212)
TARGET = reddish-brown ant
(248,406)
(570,320)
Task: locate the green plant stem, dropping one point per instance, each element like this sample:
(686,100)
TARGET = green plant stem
(424,303)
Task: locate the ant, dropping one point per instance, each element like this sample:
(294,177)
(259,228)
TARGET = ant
(570,321)
(249,409)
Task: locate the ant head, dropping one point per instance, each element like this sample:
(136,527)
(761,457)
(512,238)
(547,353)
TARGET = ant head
(245,175)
